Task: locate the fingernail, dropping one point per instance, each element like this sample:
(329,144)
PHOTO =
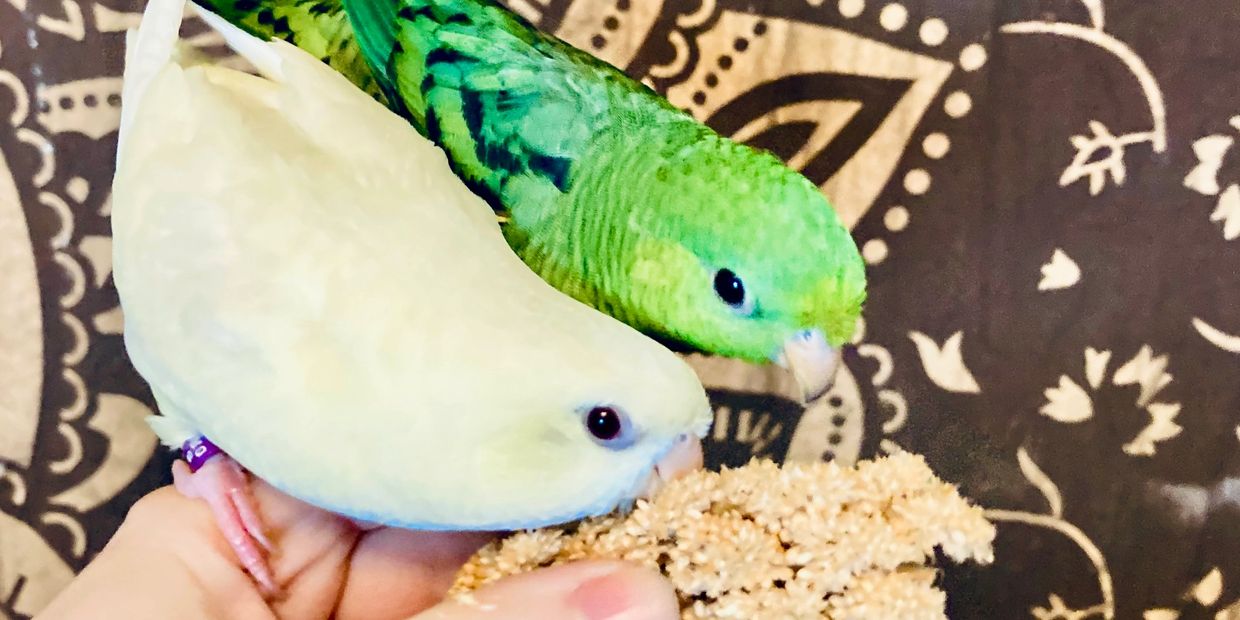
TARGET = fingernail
(618,595)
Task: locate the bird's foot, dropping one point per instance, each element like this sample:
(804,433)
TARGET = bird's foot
(216,478)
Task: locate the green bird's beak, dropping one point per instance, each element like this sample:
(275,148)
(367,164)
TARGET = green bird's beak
(813,362)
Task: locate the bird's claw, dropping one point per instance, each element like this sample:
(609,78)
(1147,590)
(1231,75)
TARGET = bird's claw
(223,485)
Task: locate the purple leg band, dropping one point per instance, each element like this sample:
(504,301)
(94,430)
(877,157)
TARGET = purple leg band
(198,451)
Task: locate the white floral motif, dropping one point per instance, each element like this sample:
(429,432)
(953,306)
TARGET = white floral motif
(1060,611)
(1217,337)
(34,574)
(1211,150)
(1227,212)
(945,366)
(21,328)
(72,26)
(1150,373)
(1205,593)
(1209,589)
(1232,612)
(1147,371)
(1060,273)
(1111,147)
(1111,161)
(1160,614)
(1054,521)
(1067,403)
(1162,427)
(1041,481)
(1096,366)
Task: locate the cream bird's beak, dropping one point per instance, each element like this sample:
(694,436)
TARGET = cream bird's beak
(813,362)
(684,458)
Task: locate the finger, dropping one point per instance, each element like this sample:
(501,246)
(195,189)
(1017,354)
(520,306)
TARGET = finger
(412,569)
(167,560)
(313,553)
(180,479)
(312,568)
(581,591)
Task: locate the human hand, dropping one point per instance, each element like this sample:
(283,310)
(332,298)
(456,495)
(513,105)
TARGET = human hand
(168,559)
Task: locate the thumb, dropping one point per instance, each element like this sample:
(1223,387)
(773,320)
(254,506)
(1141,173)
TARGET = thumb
(578,591)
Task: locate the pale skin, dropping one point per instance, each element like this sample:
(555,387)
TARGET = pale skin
(222,483)
(170,560)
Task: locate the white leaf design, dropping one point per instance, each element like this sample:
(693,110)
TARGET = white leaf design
(1232,612)
(1041,481)
(1085,166)
(1067,403)
(1162,427)
(21,329)
(1209,589)
(1095,13)
(109,20)
(1210,152)
(33,572)
(1217,337)
(131,443)
(1147,371)
(945,366)
(1228,212)
(1160,614)
(1060,273)
(1096,366)
(72,26)
(97,249)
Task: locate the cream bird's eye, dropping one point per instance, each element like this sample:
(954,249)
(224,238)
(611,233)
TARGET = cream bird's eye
(609,427)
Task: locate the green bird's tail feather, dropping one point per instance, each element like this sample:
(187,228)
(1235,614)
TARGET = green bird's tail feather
(470,75)
(359,38)
(401,38)
(516,110)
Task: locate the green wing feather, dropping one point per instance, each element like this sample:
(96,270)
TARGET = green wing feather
(515,108)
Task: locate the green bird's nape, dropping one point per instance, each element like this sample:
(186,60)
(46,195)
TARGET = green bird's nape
(608,192)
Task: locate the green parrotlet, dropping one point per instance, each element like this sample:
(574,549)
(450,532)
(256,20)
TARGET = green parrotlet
(606,190)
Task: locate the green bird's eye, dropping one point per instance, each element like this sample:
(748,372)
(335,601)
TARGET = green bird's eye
(730,288)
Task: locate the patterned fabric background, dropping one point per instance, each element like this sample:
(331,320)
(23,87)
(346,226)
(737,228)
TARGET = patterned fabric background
(1046,192)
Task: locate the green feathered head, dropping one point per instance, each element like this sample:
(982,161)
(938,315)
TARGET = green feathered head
(735,254)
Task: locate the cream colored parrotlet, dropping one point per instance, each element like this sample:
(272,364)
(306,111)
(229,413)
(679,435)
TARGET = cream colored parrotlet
(314,296)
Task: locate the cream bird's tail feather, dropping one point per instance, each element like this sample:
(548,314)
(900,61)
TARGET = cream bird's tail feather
(148,49)
(156,43)
(258,52)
